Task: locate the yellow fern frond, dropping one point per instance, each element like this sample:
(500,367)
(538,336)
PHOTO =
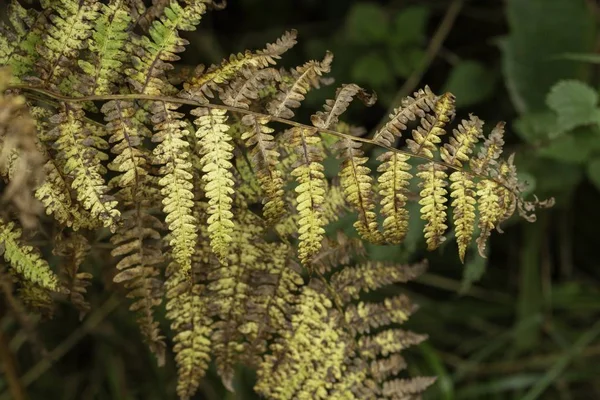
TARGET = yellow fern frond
(334,108)
(426,137)
(187,310)
(172,153)
(393,183)
(310,191)
(463,209)
(460,145)
(216,151)
(433,201)
(81,161)
(355,180)
(490,211)
(25,260)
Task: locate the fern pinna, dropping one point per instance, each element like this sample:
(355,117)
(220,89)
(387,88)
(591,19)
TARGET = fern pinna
(210,206)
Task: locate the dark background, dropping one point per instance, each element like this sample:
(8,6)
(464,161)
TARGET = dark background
(521,324)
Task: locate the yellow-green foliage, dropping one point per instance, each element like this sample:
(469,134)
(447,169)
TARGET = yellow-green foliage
(220,212)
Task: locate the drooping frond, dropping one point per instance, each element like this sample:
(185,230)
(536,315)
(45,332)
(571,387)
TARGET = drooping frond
(73,250)
(80,155)
(422,102)
(355,180)
(187,309)
(308,172)
(216,150)
(393,182)
(433,201)
(24,259)
(201,86)
(292,91)
(463,204)
(17,39)
(264,159)
(138,244)
(426,137)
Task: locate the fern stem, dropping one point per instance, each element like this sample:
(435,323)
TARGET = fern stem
(177,100)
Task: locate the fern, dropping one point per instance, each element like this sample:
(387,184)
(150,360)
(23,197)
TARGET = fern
(232,206)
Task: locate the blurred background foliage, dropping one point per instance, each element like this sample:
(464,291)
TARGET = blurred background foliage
(523,323)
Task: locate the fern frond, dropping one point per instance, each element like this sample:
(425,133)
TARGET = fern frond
(153,54)
(490,211)
(245,89)
(363,317)
(350,282)
(74,249)
(107,49)
(187,310)
(201,86)
(172,154)
(487,158)
(433,201)
(460,145)
(463,209)
(216,151)
(64,38)
(292,91)
(427,136)
(81,160)
(138,243)
(264,158)
(310,191)
(13,36)
(355,180)
(25,260)
(393,183)
(56,198)
(334,108)
(422,103)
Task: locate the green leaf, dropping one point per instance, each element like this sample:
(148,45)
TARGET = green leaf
(367,23)
(575,104)
(471,83)
(405,62)
(372,70)
(540,30)
(575,147)
(409,27)
(593,172)
(536,127)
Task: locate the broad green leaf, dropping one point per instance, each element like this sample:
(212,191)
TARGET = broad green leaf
(575,103)
(367,23)
(409,27)
(536,127)
(593,172)
(574,147)
(372,70)
(470,82)
(406,61)
(540,30)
